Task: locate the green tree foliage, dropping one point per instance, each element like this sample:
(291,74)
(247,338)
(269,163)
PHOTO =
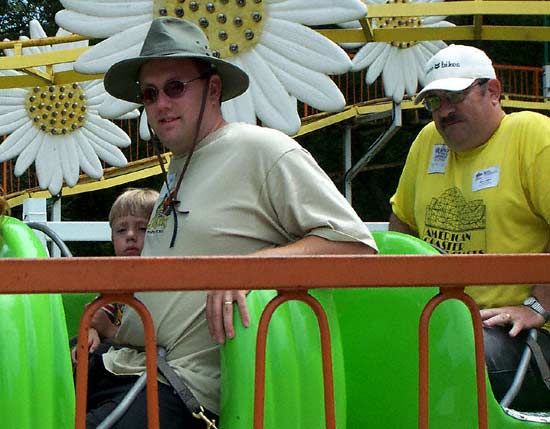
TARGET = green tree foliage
(16,14)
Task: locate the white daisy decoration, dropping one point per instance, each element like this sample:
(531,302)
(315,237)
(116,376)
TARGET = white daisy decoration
(57,126)
(285,60)
(401,64)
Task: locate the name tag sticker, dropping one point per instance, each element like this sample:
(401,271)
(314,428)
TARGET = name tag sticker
(484,179)
(440,158)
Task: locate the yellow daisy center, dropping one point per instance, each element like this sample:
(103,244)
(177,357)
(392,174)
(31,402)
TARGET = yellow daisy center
(400,21)
(57,109)
(231,26)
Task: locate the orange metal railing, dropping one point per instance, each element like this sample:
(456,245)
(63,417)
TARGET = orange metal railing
(292,277)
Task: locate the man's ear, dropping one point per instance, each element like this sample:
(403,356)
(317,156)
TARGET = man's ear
(494,89)
(215,87)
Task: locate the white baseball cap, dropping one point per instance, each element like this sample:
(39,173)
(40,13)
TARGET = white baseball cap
(455,68)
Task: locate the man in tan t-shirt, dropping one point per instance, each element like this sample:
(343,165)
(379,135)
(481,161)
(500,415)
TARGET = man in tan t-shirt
(231,189)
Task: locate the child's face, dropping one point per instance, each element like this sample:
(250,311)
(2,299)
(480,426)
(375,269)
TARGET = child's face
(128,234)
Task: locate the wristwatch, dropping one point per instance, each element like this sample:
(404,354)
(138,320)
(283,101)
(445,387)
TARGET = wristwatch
(536,306)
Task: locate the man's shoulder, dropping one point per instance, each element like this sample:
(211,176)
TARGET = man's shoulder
(254,137)
(526,118)
(426,138)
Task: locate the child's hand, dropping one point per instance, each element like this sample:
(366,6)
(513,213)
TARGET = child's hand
(93,342)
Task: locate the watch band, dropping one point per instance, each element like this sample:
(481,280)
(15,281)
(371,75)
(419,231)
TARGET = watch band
(537,307)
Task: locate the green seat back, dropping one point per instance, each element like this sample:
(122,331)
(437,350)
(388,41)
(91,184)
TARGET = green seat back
(36,386)
(379,331)
(375,353)
(294,387)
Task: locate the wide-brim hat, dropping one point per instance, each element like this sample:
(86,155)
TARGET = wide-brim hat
(455,68)
(172,38)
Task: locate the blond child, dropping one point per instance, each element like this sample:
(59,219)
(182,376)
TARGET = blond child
(128,220)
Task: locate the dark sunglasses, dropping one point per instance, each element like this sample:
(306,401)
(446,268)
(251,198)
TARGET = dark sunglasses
(172,88)
(433,102)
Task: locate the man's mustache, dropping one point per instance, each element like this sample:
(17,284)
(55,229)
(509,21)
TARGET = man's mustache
(450,119)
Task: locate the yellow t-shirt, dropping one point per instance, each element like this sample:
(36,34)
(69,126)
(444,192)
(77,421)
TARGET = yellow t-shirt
(492,199)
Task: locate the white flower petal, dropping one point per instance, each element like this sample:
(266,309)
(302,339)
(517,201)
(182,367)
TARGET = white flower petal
(433,21)
(107,131)
(144,132)
(272,103)
(367,54)
(13,116)
(391,74)
(313,88)
(16,142)
(99,27)
(106,151)
(7,127)
(433,46)
(240,109)
(406,63)
(28,155)
(9,73)
(100,57)
(88,159)
(130,115)
(13,97)
(95,92)
(304,46)
(68,157)
(36,31)
(318,12)
(113,108)
(56,179)
(377,65)
(109,9)
(46,162)
(8,109)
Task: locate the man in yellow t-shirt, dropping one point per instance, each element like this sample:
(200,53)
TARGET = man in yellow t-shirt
(476,181)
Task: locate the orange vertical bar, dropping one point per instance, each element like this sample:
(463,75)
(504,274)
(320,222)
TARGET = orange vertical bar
(150,350)
(326,351)
(423,358)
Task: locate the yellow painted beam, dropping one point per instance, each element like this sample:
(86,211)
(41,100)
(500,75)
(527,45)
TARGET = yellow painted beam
(367,29)
(526,105)
(46,41)
(18,62)
(46,76)
(473,7)
(60,78)
(463,32)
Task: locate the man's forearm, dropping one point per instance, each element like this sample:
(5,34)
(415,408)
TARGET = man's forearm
(314,245)
(398,225)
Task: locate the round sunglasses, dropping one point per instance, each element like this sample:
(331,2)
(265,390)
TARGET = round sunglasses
(433,102)
(172,88)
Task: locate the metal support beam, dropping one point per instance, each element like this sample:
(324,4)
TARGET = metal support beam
(374,148)
(347,160)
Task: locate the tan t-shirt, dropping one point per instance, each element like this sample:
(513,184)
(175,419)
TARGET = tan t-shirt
(247,188)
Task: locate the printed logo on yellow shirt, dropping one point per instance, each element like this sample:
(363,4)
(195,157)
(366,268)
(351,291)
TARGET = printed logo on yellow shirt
(454,224)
